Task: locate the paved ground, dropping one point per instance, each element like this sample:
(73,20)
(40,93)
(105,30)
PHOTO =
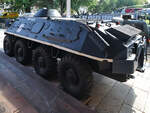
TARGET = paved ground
(107,96)
(11,101)
(110,96)
(43,95)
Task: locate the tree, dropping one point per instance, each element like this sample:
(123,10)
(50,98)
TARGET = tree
(94,6)
(109,5)
(61,5)
(18,5)
(44,3)
(25,5)
(75,4)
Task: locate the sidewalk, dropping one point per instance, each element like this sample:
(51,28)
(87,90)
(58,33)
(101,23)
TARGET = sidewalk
(43,95)
(11,101)
(133,96)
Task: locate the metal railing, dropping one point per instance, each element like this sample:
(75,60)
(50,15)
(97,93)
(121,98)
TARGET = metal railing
(99,17)
(105,16)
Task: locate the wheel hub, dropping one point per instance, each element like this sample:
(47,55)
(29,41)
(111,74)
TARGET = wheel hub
(41,63)
(71,77)
(20,52)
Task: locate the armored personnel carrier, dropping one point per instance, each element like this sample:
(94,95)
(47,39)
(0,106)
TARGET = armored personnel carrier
(74,49)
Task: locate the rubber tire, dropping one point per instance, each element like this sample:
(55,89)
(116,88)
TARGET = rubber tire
(8,50)
(26,58)
(50,63)
(83,72)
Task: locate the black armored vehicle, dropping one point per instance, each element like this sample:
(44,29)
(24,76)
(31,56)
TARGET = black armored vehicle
(73,49)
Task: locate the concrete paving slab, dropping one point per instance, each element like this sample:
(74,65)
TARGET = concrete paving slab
(11,101)
(147,105)
(146,75)
(42,94)
(137,98)
(109,105)
(113,101)
(97,94)
(101,87)
(129,109)
(142,83)
(119,91)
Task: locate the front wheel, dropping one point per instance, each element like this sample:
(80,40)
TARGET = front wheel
(75,76)
(8,46)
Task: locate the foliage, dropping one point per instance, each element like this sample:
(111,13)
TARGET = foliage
(75,4)
(109,5)
(61,5)
(44,3)
(17,5)
(94,6)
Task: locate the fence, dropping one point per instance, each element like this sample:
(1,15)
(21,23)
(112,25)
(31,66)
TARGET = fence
(99,17)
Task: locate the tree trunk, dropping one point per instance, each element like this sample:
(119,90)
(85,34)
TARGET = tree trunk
(51,3)
(62,6)
(28,10)
(78,12)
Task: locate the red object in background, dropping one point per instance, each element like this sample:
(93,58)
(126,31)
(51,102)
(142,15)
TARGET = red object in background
(128,10)
(149,40)
(117,23)
(132,10)
(97,25)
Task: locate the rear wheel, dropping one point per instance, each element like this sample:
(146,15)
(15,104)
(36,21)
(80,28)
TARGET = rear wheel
(8,46)
(22,53)
(75,76)
(44,65)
